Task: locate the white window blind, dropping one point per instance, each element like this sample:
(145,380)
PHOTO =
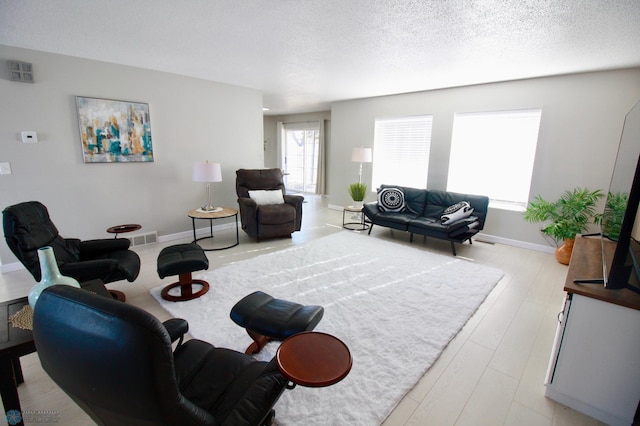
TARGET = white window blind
(401,151)
(492,154)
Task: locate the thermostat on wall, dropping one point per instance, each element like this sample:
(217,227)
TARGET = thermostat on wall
(30,137)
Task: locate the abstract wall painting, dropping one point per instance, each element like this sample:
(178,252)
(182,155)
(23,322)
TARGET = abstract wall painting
(114,131)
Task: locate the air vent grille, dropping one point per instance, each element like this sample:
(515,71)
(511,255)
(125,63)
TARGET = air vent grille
(142,239)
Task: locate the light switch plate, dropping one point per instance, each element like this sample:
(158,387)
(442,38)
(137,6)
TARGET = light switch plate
(30,137)
(5,169)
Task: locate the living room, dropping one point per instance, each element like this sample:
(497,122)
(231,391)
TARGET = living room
(194,119)
(582,119)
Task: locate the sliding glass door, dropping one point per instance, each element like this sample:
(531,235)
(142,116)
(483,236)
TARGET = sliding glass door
(300,156)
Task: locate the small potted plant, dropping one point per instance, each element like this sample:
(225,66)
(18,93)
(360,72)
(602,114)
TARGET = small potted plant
(358,192)
(565,218)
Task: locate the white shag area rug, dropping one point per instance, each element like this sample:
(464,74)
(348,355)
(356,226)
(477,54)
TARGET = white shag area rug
(396,307)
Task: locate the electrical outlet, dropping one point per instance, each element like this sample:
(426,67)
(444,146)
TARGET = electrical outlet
(5,169)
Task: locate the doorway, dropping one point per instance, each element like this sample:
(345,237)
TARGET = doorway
(301,156)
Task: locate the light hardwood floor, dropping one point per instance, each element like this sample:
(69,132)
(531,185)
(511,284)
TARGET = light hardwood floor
(492,373)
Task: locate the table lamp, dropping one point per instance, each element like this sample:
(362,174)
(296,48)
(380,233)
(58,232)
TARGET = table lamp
(207,172)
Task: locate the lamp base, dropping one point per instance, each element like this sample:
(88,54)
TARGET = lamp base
(209,209)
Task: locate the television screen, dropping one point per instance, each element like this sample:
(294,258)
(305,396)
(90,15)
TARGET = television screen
(621,219)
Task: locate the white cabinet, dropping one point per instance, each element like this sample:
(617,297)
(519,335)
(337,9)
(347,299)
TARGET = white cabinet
(597,360)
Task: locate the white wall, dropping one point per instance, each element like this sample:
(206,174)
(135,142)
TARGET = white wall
(191,120)
(582,118)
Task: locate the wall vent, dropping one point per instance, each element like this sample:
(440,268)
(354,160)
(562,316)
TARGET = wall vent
(21,71)
(142,239)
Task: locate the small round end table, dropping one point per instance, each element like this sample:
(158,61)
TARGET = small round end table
(354,226)
(224,212)
(119,229)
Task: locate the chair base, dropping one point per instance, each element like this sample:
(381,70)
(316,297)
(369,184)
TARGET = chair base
(118,295)
(258,239)
(259,342)
(186,289)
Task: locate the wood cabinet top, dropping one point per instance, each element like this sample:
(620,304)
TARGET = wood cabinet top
(586,264)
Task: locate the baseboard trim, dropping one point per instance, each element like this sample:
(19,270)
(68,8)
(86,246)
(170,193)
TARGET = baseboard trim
(486,238)
(10,267)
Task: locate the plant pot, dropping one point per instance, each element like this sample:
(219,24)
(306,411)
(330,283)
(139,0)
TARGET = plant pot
(50,275)
(563,253)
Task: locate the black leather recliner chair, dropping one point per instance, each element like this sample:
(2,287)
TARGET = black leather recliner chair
(267,221)
(28,227)
(117,363)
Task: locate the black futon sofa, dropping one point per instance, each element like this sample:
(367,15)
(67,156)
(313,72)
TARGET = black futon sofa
(440,214)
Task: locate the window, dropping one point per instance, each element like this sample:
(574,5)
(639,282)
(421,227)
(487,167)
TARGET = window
(492,154)
(401,151)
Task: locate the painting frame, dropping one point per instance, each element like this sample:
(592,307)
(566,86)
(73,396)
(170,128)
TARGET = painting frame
(114,131)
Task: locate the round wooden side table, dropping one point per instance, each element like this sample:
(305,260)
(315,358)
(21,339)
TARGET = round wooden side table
(314,359)
(119,229)
(223,213)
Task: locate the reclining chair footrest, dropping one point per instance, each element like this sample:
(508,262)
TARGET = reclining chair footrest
(266,318)
(182,260)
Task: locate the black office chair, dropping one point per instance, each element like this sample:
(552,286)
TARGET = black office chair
(117,363)
(28,227)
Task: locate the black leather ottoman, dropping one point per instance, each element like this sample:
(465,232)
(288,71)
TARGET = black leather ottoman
(266,318)
(182,260)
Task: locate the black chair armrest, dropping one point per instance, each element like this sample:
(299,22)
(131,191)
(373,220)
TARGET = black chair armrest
(72,242)
(248,215)
(294,200)
(247,203)
(370,209)
(92,248)
(89,269)
(97,287)
(177,328)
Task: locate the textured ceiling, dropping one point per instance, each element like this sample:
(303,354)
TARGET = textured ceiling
(305,54)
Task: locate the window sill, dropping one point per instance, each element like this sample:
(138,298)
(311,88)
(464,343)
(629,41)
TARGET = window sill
(501,205)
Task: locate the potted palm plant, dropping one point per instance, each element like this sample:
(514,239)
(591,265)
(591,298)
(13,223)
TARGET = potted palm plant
(358,191)
(570,215)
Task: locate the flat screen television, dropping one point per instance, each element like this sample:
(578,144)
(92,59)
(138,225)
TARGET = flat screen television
(621,217)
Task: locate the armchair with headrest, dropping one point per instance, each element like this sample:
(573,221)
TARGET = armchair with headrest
(116,361)
(263,212)
(28,227)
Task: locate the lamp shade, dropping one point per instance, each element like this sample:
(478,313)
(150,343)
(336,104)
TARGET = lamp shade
(361,155)
(207,172)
